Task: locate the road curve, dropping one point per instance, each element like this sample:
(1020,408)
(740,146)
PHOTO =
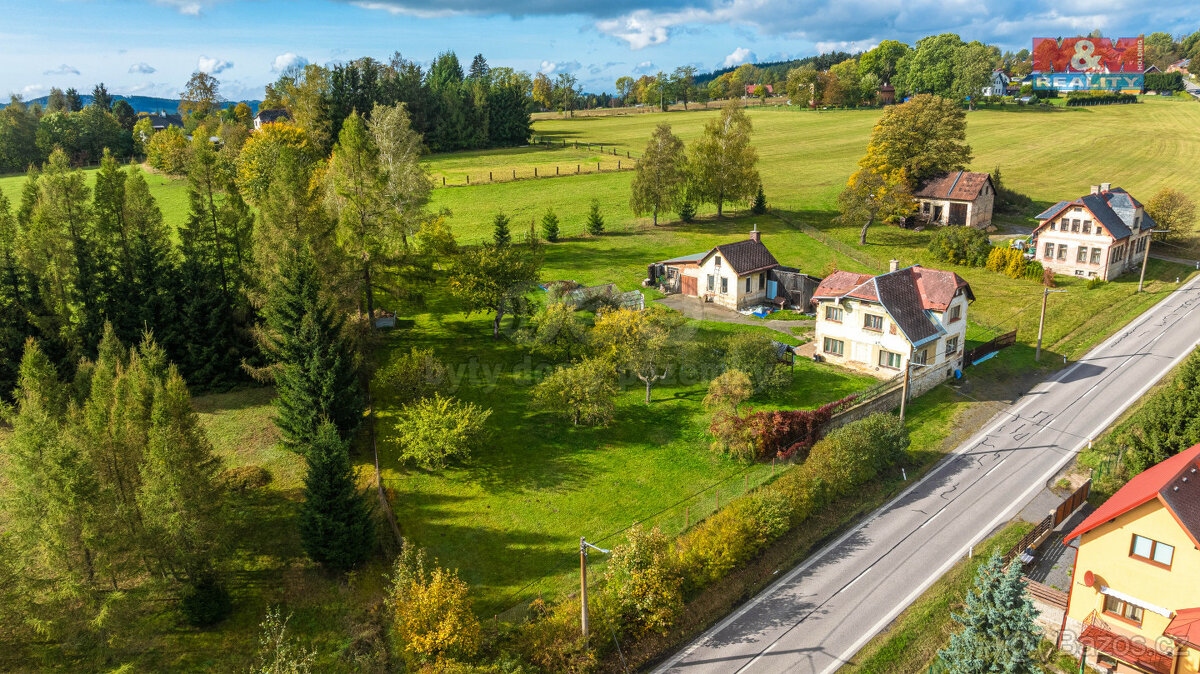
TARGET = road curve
(816,617)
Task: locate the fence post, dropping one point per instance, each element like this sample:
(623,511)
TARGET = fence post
(514,174)
(555,170)
(468,178)
(535,172)
(627,154)
(597,167)
(687,516)
(489,176)
(618,164)
(443,181)
(577,168)
(718,498)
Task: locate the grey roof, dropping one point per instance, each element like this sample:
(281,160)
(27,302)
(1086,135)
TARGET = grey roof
(746,256)
(1182,494)
(694,257)
(898,294)
(1052,211)
(1116,209)
(1107,216)
(267,116)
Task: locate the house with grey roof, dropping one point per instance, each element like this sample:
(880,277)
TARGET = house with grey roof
(881,324)
(738,275)
(1102,234)
(270,117)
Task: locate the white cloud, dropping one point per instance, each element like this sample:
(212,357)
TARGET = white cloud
(287,60)
(34,90)
(63,69)
(142,68)
(556,67)
(643,68)
(738,57)
(212,66)
(401,10)
(185,7)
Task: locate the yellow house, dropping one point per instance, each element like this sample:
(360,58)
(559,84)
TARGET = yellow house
(1134,603)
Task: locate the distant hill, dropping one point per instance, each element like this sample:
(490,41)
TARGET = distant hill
(780,68)
(151,104)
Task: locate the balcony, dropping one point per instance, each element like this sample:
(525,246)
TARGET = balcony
(1096,636)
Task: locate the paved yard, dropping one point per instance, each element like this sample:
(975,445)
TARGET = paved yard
(694,307)
(1054,560)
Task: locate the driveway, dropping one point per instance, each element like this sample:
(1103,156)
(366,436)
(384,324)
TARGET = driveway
(694,307)
(817,615)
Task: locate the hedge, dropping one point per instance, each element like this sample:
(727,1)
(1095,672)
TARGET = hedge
(1164,82)
(961,245)
(1083,98)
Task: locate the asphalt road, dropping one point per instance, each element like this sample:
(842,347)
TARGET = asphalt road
(817,616)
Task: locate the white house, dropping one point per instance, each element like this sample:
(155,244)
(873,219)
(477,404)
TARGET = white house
(1102,234)
(731,275)
(998,85)
(879,324)
(269,116)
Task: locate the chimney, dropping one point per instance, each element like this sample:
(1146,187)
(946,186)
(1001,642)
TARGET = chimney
(755,235)
(1095,189)
(893,265)
(1104,187)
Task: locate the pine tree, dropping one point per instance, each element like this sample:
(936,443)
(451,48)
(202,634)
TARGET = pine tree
(550,225)
(315,375)
(759,207)
(335,521)
(1000,634)
(595,221)
(500,233)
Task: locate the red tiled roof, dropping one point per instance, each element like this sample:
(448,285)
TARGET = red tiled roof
(1175,482)
(959,185)
(1185,627)
(839,283)
(1125,649)
(935,287)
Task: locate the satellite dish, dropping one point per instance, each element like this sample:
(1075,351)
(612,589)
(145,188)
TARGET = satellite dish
(1089,578)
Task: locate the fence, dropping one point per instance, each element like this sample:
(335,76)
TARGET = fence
(980,352)
(1051,521)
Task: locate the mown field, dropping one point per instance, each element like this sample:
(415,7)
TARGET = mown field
(510,519)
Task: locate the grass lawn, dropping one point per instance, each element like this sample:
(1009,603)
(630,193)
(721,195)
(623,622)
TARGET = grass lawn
(514,513)
(505,163)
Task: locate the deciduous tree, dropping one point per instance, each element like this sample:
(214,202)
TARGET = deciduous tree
(1173,210)
(642,343)
(435,430)
(584,392)
(870,195)
(660,174)
(722,163)
(923,137)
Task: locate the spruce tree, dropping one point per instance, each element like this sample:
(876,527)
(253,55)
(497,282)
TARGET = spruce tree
(500,234)
(335,521)
(999,633)
(153,266)
(759,207)
(595,221)
(209,342)
(315,375)
(550,225)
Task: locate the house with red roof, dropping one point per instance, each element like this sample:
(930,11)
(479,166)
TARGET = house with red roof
(879,324)
(1102,234)
(1134,602)
(957,198)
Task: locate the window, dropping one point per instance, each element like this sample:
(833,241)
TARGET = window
(921,357)
(889,359)
(711,281)
(762,281)
(747,284)
(925,207)
(1062,251)
(1087,226)
(835,346)
(871,322)
(1122,609)
(1150,550)
(833,314)
(955,313)
(724,286)
(1075,226)
(1054,224)
(951,345)
(1095,256)
(717,261)
(1049,251)
(1081,256)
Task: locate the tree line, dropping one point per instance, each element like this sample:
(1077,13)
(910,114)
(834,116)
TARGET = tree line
(450,108)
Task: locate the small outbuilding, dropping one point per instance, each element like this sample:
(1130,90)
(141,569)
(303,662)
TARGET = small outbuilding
(957,198)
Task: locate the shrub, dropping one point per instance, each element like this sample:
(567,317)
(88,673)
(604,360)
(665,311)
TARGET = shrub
(595,221)
(732,436)
(205,602)
(803,490)
(550,225)
(1082,98)
(432,431)
(642,584)
(415,375)
(997,260)
(1016,264)
(432,610)
(242,479)
(585,392)
(858,452)
(759,207)
(754,354)
(550,638)
(1048,278)
(1034,271)
(1094,283)
(784,433)
(687,212)
(961,245)
(729,390)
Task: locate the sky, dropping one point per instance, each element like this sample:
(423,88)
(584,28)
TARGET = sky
(151,47)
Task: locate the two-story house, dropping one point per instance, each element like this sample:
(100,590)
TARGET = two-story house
(1102,234)
(1134,599)
(998,84)
(881,323)
(732,275)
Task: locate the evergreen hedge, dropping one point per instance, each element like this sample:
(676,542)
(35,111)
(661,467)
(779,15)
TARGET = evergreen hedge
(1085,98)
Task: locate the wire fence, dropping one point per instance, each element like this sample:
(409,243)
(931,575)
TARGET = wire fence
(621,160)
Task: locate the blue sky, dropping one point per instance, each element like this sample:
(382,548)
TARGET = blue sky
(151,46)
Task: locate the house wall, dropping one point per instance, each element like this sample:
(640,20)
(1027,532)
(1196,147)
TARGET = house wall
(735,297)
(1060,231)
(861,347)
(1105,551)
(979,212)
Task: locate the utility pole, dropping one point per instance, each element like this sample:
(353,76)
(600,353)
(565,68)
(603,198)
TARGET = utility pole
(904,392)
(1037,356)
(1146,256)
(583,548)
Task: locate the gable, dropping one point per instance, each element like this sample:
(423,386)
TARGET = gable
(955,185)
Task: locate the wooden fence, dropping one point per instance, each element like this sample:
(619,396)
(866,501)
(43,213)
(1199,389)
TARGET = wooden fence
(1051,521)
(990,347)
